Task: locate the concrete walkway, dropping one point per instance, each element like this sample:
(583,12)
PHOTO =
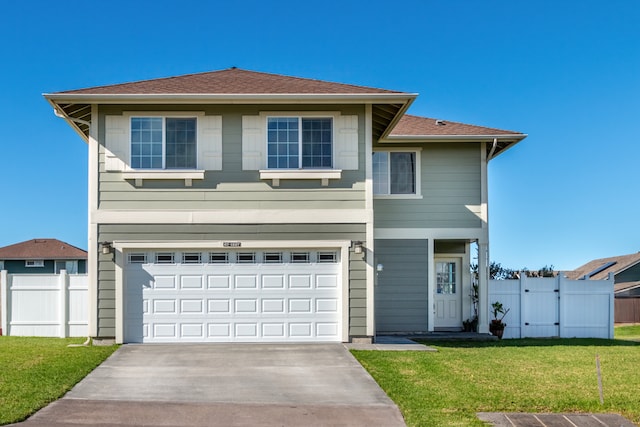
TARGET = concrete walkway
(224,385)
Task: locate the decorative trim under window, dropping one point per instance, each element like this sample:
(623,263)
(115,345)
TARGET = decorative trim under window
(324,175)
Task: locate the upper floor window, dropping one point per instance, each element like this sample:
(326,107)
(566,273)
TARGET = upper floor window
(395,172)
(299,142)
(163,143)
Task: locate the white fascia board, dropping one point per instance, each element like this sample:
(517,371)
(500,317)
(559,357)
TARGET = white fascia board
(453,138)
(432,233)
(231,98)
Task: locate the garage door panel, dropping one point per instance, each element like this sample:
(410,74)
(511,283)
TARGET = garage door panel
(164,282)
(245,282)
(273,281)
(192,306)
(246,306)
(219,282)
(219,305)
(232,301)
(298,281)
(276,306)
(191,282)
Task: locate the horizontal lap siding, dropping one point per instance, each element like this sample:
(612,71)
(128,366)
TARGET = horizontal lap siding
(450,191)
(235,232)
(233,188)
(402,299)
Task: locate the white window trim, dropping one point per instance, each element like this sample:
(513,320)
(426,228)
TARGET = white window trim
(323,174)
(139,175)
(418,194)
(31,263)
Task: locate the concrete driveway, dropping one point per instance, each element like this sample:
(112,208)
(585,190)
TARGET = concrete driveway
(225,385)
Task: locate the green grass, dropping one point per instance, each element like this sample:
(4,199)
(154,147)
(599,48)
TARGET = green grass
(448,387)
(631,332)
(36,371)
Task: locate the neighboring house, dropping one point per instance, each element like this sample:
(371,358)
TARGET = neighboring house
(626,279)
(42,256)
(243,206)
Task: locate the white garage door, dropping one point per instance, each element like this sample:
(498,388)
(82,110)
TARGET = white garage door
(232,296)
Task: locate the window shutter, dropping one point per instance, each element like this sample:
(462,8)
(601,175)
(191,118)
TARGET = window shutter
(210,144)
(346,143)
(116,143)
(253,143)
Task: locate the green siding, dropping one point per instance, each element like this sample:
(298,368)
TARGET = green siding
(232,188)
(234,232)
(402,297)
(451,185)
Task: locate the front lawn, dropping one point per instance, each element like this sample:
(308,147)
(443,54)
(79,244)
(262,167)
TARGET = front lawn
(448,387)
(36,371)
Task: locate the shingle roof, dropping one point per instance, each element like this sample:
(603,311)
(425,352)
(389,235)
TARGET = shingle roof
(230,81)
(619,263)
(424,126)
(42,249)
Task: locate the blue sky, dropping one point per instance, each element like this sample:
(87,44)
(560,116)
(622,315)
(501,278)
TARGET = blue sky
(566,73)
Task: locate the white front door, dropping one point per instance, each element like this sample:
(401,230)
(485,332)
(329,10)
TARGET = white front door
(448,298)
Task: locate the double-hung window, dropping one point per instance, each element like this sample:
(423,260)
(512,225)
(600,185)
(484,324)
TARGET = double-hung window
(163,142)
(395,173)
(299,142)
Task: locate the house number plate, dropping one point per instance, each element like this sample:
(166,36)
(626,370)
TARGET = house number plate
(231,244)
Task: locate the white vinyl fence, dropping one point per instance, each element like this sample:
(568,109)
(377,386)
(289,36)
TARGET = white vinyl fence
(44,305)
(555,307)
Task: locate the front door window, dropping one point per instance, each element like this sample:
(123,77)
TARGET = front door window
(446,278)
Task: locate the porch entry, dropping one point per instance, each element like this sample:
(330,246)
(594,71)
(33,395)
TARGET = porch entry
(448,294)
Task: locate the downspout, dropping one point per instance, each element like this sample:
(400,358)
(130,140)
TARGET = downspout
(73,119)
(493,149)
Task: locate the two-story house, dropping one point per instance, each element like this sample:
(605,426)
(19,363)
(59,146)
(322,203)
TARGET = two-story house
(235,205)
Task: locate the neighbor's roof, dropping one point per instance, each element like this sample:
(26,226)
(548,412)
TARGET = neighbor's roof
(232,85)
(599,269)
(42,249)
(230,81)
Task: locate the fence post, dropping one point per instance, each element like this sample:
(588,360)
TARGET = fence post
(612,297)
(4,300)
(523,279)
(561,315)
(63,283)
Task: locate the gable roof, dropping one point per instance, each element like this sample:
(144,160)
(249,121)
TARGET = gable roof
(599,269)
(416,128)
(41,249)
(232,81)
(231,85)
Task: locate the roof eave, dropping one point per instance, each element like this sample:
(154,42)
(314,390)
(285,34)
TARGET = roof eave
(230,98)
(59,112)
(454,138)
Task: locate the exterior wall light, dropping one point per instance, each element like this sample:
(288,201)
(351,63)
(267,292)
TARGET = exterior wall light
(106,247)
(357,247)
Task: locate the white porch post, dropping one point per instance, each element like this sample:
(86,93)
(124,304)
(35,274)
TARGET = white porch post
(483,287)
(431,284)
